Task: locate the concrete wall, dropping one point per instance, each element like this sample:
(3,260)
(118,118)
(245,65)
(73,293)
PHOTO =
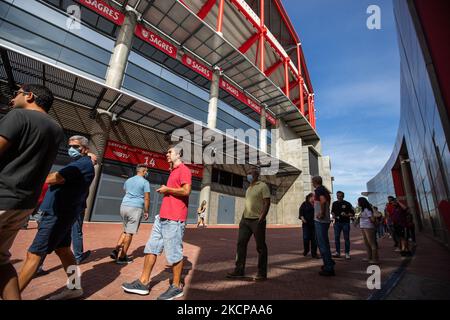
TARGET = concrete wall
(290,150)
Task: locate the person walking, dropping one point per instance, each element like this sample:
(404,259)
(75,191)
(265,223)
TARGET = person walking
(135,203)
(306,214)
(201,214)
(367,226)
(400,221)
(29,141)
(342,212)
(168,229)
(68,189)
(322,222)
(253,222)
(389,212)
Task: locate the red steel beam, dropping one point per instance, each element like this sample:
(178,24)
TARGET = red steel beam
(246,15)
(272,68)
(206,8)
(220,15)
(249,43)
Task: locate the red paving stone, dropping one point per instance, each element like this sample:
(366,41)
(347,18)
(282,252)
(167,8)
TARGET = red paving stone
(209,255)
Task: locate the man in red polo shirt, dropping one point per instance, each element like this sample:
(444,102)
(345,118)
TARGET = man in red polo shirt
(168,229)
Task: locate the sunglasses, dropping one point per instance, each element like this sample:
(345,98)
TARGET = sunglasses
(17,92)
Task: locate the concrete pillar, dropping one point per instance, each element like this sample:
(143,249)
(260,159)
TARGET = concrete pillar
(119,58)
(114,76)
(263,131)
(213,99)
(205,193)
(408,185)
(99,136)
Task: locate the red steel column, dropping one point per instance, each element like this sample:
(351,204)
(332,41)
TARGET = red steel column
(300,80)
(286,77)
(262,36)
(220,16)
(310,111)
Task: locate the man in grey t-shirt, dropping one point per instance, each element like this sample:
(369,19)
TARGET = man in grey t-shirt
(29,141)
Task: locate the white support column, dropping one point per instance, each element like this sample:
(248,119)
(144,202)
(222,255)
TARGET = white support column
(263,131)
(114,77)
(205,193)
(122,48)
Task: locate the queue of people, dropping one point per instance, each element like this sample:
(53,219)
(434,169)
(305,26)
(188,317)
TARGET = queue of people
(29,141)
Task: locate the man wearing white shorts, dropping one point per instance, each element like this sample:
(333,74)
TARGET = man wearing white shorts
(135,202)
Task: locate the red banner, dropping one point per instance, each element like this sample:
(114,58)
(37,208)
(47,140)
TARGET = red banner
(104,10)
(156,41)
(133,155)
(238,94)
(196,66)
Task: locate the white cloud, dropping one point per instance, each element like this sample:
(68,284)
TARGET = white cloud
(375,97)
(354,161)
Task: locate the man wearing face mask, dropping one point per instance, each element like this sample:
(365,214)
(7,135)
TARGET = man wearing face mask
(64,200)
(253,222)
(135,202)
(29,140)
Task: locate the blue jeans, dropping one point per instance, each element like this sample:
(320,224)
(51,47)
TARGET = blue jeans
(338,227)
(324,245)
(77,236)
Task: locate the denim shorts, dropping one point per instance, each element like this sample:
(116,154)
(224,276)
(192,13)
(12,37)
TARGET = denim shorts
(54,232)
(166,235)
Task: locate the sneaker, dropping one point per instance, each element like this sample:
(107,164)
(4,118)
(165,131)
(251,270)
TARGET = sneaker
(84,256)
(114,254)
(171,293)
(67,294)
(316,256)
(136,287)
(305,253)
(397,250)
(235,275)
(124,260)
(327,273)
(336,255)
(347,256)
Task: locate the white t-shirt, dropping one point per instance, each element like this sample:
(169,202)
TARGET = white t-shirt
(364,222)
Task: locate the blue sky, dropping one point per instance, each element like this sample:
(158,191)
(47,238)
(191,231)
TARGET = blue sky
(355,73)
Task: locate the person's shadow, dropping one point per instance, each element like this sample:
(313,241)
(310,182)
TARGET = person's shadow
(102,274)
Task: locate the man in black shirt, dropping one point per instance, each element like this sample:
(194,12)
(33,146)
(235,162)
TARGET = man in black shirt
(29,141)
(342,211)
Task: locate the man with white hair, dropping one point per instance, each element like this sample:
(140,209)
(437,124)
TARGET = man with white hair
(64,200)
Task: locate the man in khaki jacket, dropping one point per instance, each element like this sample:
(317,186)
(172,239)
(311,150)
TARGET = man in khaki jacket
(257,204)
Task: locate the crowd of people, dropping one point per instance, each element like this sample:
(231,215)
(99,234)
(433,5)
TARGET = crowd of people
(395,221)
(29,142)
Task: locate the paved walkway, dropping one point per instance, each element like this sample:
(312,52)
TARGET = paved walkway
(209,255)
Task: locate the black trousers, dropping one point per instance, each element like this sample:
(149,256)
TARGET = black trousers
(309,237)
(247,228)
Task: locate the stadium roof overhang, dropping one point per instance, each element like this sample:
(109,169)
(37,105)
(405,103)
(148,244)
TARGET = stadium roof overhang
(269,72)
(72,90)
